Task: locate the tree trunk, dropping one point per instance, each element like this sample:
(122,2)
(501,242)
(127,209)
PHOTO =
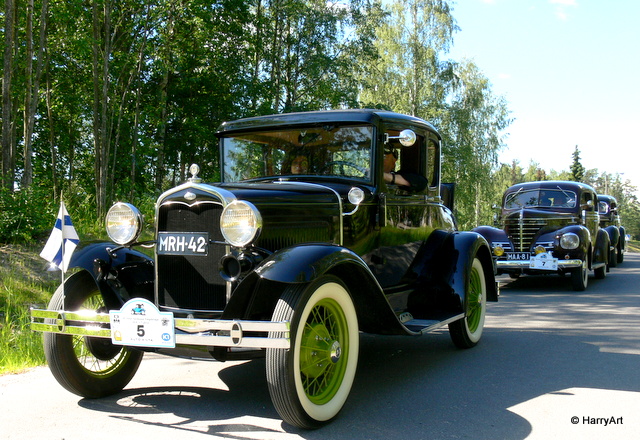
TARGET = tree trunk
(100,62)
(32,85)
(8,149)
(52,144)
(162,130)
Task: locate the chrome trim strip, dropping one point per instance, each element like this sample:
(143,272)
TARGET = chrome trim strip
(525,264)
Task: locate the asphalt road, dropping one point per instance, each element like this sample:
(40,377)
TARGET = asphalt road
(552,363)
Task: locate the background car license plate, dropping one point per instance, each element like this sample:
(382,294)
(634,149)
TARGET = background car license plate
(183,243)
(520,256)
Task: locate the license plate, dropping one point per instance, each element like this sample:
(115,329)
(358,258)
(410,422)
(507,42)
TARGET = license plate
(520,256)
(183,243)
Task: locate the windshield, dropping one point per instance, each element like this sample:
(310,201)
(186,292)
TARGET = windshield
(343,151)
(540,198)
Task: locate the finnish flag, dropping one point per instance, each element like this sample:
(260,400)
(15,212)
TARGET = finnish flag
(62,242)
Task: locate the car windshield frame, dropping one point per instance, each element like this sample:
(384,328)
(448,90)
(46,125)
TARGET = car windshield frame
(540,198)
(338,150)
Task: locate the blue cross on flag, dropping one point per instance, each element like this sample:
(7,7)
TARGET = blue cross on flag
(62,242)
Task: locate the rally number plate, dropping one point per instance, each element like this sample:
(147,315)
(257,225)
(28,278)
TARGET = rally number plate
(544,262)
(139,323)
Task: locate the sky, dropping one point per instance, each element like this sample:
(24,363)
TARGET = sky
(570,73)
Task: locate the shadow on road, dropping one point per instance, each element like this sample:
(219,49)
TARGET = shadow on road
(539,340)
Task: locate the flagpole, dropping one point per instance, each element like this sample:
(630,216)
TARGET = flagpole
(62,211)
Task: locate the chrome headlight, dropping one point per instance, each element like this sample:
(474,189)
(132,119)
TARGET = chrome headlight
(240,223)
(123,223)
(570,241)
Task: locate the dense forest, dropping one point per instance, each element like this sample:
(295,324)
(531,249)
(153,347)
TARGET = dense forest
(107,100)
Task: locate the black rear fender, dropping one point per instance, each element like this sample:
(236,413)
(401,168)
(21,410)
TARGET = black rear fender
(120,275)
(444,265)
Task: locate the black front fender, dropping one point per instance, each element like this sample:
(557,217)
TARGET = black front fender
(120,275)
(614,234)
(258,293)
(303,264)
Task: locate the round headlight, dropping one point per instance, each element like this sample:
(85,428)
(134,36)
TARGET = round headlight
(240,223)
(124,223)
(570,241)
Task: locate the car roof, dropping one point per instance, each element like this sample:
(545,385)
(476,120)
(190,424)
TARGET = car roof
(551,184)
(357,116)
(607,198)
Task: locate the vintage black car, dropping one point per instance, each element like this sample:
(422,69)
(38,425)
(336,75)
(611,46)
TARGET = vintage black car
(610,222)
(549,227)
(302,245)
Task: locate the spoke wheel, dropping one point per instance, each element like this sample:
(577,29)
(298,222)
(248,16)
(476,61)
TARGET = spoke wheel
(86,366)
(310,382)
(466,332)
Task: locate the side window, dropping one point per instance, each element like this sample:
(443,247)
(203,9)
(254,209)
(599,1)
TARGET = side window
(409,158)
(585,199)
(433,162)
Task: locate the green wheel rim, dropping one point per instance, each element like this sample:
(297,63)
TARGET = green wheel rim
(474,298)
(96,365)
(324,351)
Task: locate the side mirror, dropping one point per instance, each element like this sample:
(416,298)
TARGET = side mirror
(407,138)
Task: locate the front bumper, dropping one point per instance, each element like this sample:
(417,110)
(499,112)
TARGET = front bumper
(526,264)
(204,332)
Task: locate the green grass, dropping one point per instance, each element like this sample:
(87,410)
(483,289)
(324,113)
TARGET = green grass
(23,283)
(633,246)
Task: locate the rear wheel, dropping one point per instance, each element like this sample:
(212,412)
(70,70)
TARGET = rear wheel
(613,257)
(310,382)
(466,332)
(620,253)
(580,277)
(86,366)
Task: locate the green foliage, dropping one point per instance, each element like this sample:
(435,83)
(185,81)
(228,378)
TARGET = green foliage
(132,94)
(25,215)
(577,170)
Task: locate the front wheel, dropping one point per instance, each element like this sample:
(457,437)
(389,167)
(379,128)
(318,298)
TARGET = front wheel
(87,366)
(310,382)
(580,277)
(466,332)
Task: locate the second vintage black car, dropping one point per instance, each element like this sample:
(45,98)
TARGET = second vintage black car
(324,224)
(610,222)
(549,227)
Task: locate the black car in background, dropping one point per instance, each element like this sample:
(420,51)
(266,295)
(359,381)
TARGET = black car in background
(324,224)
(610,222)
(549,227)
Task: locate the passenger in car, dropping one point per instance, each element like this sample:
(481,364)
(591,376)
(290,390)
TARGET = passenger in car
(300,165)
(411,181)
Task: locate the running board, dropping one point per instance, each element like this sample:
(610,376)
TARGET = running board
(423,326)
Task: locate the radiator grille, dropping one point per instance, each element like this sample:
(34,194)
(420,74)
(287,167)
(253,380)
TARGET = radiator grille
(522,231)
(191,282)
